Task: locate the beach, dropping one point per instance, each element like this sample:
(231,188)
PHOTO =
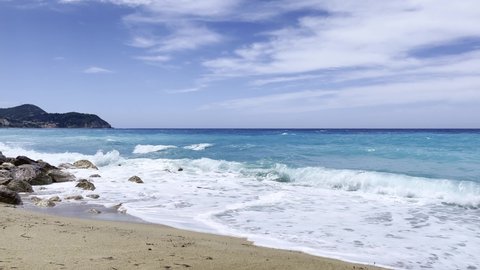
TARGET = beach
(376,197)
(32,240)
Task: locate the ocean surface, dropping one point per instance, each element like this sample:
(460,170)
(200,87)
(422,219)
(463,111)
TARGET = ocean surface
(406,199)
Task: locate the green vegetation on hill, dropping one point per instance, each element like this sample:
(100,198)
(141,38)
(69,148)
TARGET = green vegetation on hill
(31,116)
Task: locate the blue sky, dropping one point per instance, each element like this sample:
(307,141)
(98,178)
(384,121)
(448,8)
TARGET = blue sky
(246,63)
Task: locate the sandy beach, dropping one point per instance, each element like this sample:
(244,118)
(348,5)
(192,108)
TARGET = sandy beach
(32,240)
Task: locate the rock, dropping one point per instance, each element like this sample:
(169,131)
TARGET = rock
(2,158)
(93,196)
(66,166)
(31,174)
(45,166)
(94,211)
(21,160)
(95,176)
(35,199)
(84,164)
(55,199)
(180,169)
(136,179)
(6,166)
(85,184)
(43,203)
(19,186)
(5,177)
(59,176)
(74,197)
(9,196)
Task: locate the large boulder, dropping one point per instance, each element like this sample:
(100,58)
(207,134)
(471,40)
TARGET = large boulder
(5,177)
(19,186)
(85,184)
(84,164)
(59,176)
(21,160)
(45,165)
(9,196)
(31,174)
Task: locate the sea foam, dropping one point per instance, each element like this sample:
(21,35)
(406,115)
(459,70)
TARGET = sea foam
(145,149)
(353,215)
(198,147)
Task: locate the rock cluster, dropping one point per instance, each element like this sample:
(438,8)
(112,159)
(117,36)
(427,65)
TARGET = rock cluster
(21,173)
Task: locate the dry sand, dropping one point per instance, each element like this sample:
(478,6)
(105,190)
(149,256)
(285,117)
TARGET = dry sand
(31,240)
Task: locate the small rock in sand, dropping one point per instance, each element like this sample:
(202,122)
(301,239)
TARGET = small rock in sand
(41,202)
(135,179)
(94,211)
(95,176)
(84,164)
(74,197)
(55,199)
(93,196)
(180,169)
(85,184)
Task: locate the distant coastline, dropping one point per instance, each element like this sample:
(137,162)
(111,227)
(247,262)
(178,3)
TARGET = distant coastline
(31,116)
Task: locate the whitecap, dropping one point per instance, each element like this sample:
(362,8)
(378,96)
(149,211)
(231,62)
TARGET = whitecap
(198,147)
(144,149)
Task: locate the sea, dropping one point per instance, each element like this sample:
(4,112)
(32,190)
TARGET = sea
(404,199)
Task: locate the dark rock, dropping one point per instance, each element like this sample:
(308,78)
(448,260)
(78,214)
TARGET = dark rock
(19,186)
(180,169)
(5,177)
(85,184)
(74,197)
(135,179)
(31,174)
(21,160)
(95,176)
(2,158)
(45,166)
(59,176)
(84,164)
(93,196)
(9,196)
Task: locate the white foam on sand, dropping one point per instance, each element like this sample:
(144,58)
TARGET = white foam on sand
(351,215)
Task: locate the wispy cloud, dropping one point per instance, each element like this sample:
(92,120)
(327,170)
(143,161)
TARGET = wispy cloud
(97,70)
(429,90)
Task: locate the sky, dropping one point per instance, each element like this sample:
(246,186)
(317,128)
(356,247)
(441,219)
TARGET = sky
(246,63)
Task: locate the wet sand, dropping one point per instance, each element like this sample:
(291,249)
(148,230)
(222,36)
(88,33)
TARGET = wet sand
(35,240)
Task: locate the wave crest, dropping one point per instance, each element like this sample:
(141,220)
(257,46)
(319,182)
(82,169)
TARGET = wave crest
(147,148)
(198,147)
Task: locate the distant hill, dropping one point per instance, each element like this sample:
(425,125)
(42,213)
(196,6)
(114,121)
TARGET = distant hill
(31,116)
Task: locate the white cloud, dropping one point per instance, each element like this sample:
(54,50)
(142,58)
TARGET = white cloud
(466,89)
(187,37)
(354,34)
(97,70)
(154,58)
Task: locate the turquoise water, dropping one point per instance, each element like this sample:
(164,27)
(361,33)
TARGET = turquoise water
(349,194)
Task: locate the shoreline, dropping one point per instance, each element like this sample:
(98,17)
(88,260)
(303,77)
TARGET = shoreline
(44,240)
